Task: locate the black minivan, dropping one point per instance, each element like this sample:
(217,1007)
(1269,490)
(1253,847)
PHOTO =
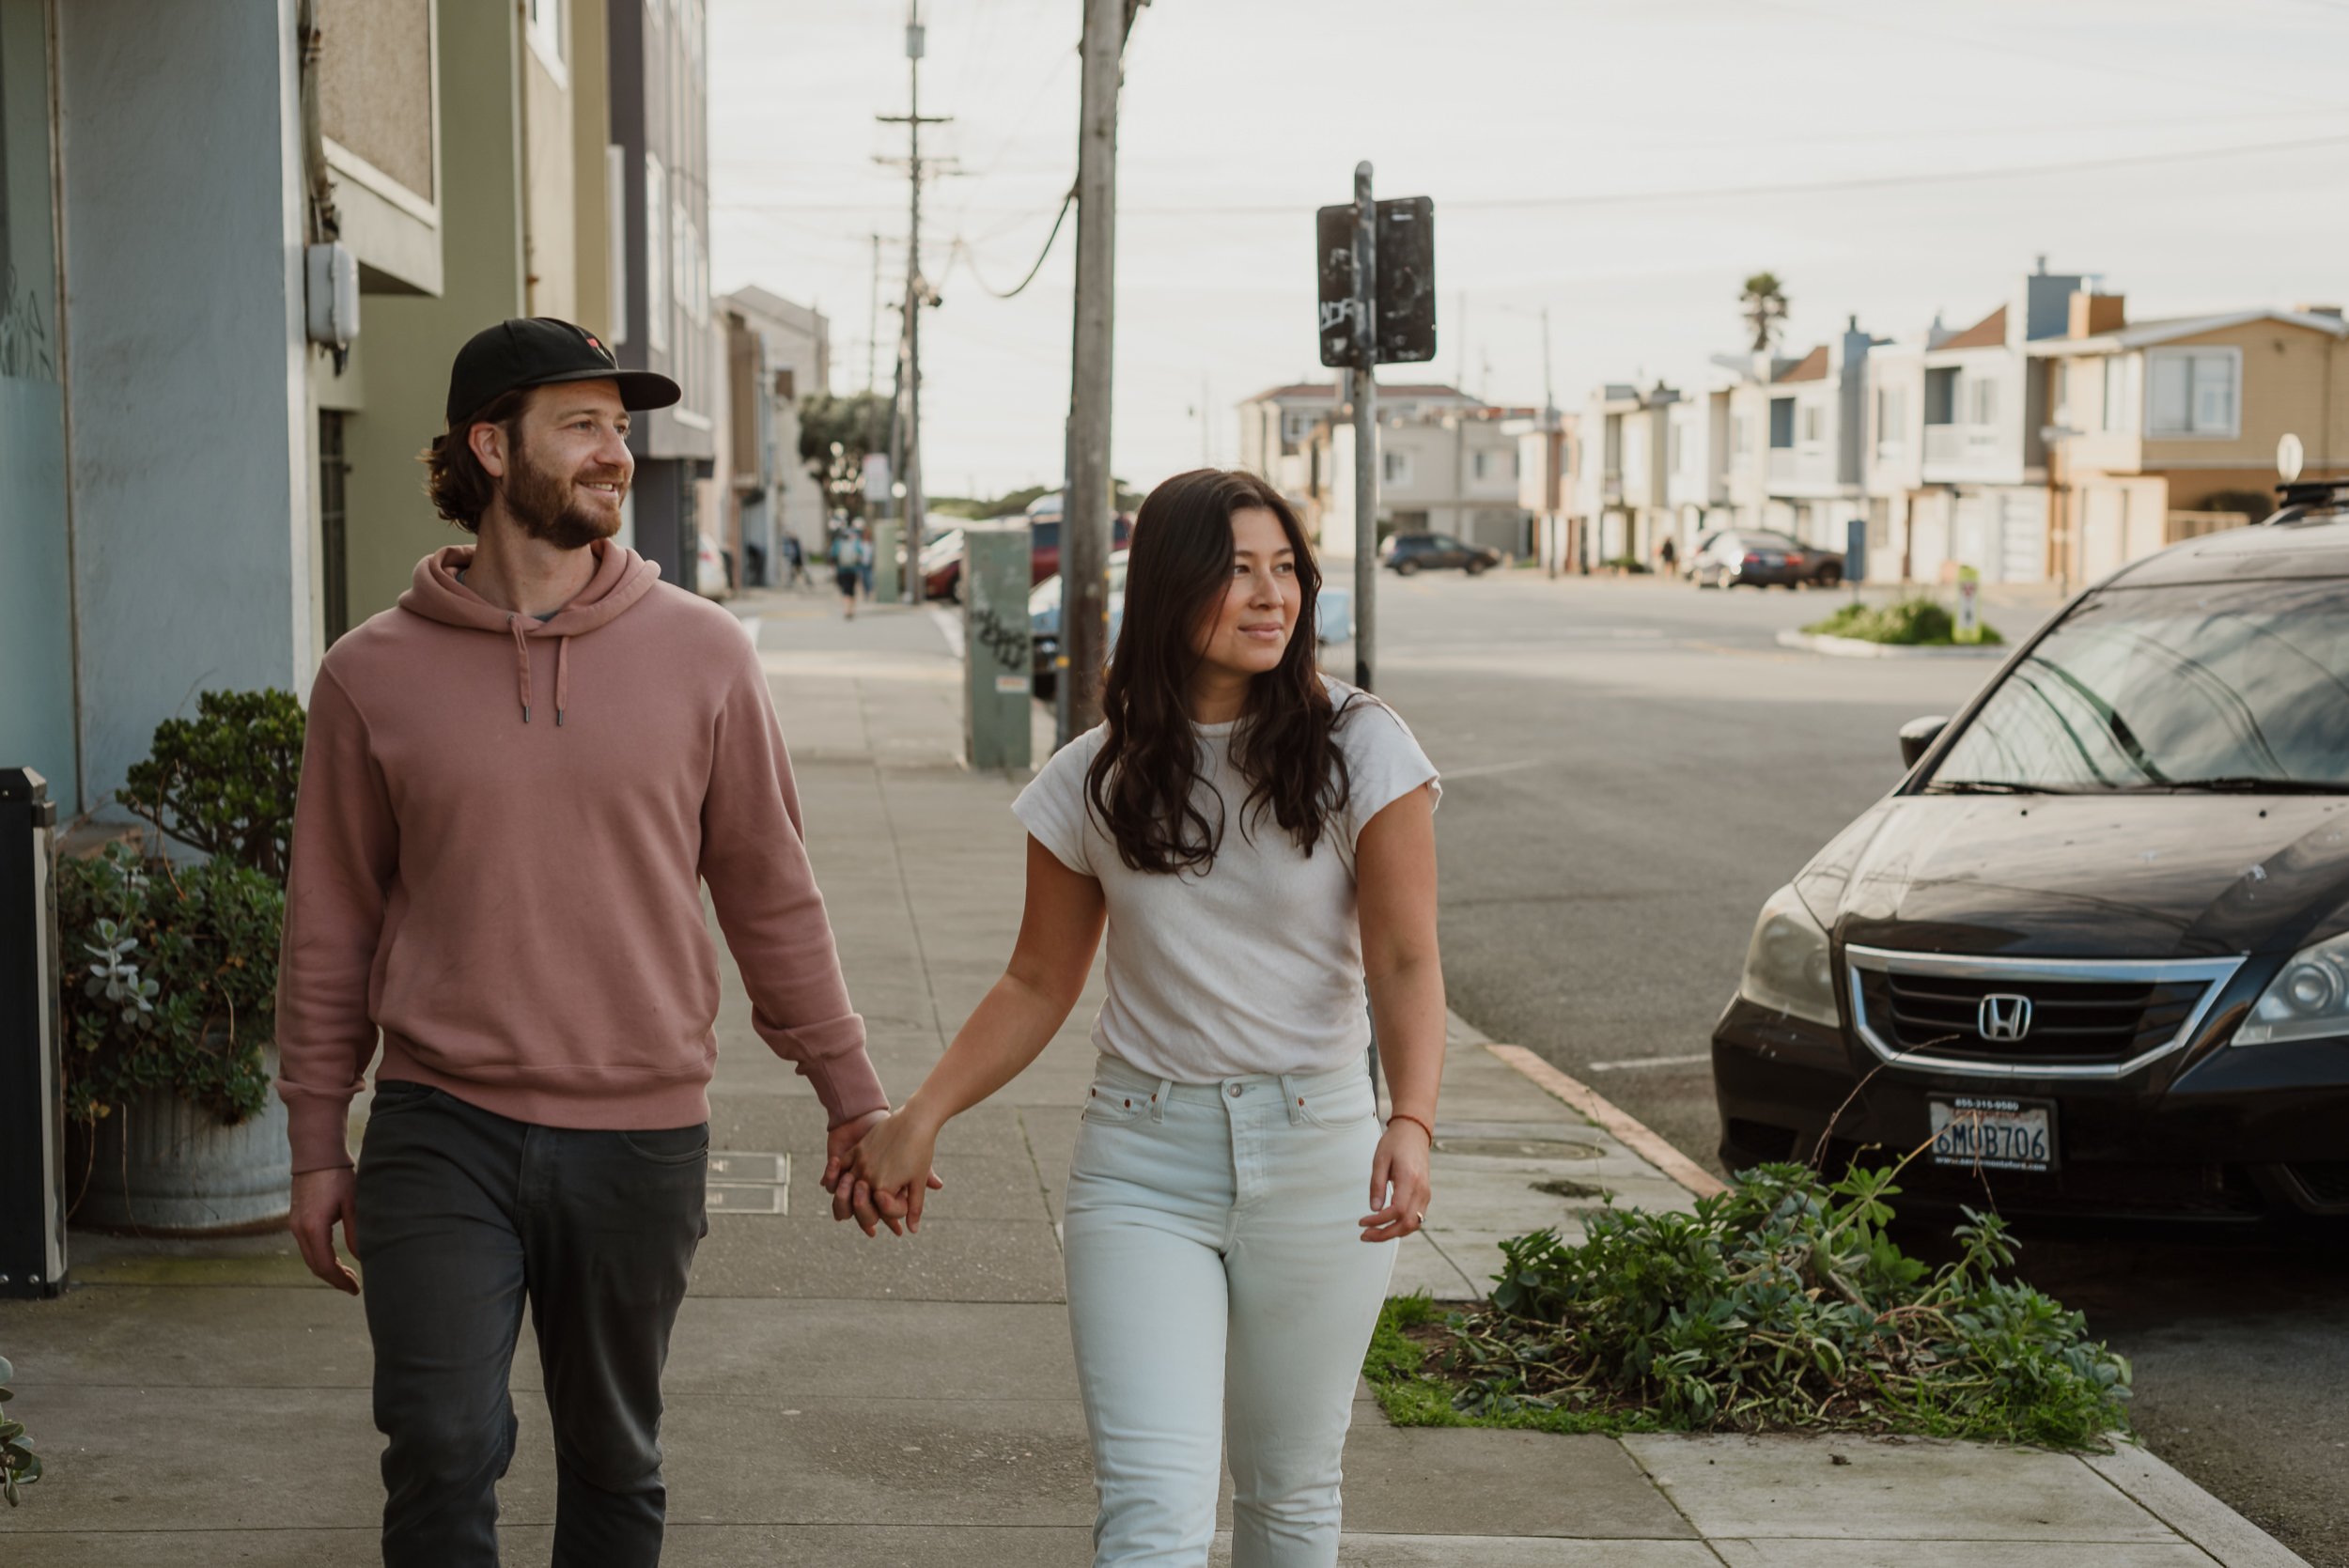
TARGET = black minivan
(2091,955)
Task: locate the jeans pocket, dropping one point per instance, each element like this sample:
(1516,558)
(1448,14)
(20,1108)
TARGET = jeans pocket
(399,1094)
(669,1145)
(1338,1109)
(1112,1106)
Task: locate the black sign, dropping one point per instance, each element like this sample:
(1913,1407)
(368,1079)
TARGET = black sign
(1404,312)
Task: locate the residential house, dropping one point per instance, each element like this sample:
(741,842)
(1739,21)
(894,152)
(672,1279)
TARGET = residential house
(1981,500)
(1545,484)
(1623,489)
(1698,436)
(1283,431)
(2166,429)
(1815,411)
(1446,465)
(777,353)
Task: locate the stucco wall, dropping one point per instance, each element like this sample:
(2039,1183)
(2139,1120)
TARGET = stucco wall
(190,462)
(406,343)
(550,228)
(2283,390)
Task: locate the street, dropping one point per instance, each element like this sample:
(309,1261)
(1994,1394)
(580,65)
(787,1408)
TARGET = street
(1630,769)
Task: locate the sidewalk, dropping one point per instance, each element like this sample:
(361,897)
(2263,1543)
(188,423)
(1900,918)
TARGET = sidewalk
(867,1402)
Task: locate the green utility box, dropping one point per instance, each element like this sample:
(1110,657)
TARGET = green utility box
(998,659)
(886,535)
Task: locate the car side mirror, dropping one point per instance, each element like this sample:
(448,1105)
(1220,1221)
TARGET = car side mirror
(1918,735)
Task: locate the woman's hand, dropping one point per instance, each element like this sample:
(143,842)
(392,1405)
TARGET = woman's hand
(888,1174)
(1399,1187)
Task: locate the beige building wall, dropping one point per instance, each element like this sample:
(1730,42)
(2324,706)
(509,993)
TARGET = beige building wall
(549,155)
(595,289)
(2290,375)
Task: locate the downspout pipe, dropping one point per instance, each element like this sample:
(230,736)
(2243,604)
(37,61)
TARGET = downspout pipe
(325,222)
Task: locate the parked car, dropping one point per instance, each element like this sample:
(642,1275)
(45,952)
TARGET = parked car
(1761,557)
(1334,619)
(1406,553)
(941,565)
(1044,540)
(2091,954)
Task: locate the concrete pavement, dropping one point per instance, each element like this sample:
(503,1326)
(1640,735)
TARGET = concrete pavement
(910,1402)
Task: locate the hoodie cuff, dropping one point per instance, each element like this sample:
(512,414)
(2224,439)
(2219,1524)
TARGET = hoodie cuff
(319,1128)
(832,1057)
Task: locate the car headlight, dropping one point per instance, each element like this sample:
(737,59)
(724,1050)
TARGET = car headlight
(1786,965)
(2309,998)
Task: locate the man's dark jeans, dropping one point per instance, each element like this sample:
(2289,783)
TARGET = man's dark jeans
(462,1215)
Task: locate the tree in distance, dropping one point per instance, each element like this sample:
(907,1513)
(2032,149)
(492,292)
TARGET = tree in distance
(1764,305)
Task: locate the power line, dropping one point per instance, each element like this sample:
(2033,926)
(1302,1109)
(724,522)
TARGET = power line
(973,261)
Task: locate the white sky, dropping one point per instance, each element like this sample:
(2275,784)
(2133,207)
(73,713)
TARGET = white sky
(1626,165)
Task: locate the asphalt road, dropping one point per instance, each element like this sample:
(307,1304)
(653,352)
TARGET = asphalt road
(1630,769)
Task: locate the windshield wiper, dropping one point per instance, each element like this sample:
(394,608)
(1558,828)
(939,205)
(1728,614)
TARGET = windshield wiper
(2252,784)
(1989,787)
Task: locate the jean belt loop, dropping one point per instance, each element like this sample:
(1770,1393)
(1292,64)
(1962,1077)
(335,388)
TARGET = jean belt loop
(1158,1097)
(1291,1101)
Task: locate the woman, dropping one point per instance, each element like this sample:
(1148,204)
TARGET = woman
(1256,837)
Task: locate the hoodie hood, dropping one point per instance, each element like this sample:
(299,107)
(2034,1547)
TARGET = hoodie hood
(622,578)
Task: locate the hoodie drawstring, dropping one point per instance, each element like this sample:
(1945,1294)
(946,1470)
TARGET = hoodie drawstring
(522,669)
(522,662)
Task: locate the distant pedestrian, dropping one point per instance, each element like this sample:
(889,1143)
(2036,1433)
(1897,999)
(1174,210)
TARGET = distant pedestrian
(1257,837)
(845,575)
(1669,554)
(795,563)
(864,563)
(504,831)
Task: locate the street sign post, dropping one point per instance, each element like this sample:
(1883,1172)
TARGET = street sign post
(32,1088)
(1375,262)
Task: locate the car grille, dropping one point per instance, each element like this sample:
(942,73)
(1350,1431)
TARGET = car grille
(2079,1018)
(2078,1022)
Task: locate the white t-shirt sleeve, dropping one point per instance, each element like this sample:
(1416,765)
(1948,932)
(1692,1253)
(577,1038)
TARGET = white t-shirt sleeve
(1053,807)
(1384,763)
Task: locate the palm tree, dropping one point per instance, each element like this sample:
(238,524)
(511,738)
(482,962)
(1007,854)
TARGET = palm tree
(1764,303)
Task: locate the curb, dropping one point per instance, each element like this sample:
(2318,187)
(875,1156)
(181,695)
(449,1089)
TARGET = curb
(1853,647)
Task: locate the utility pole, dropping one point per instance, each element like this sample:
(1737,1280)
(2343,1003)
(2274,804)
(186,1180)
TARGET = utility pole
(1086,501)
(1553,449)
(1363,381)
(872,323)
(917,292)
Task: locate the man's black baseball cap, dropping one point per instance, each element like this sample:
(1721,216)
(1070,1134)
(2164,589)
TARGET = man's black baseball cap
(539,350)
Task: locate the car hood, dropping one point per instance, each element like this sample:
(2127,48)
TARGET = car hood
(2140,877)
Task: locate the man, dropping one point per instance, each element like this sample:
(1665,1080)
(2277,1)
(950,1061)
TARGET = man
(514,787)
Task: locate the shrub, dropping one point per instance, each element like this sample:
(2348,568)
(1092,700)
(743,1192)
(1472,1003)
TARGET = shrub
(1910,622)
(19,1464)
(1780,1303)
(224,783)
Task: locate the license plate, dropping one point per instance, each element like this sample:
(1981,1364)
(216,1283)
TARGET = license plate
(1994,1132)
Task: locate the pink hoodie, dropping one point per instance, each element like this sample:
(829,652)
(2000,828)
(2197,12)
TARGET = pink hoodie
(498,858)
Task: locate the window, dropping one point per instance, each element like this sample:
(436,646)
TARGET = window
(1941,395)
(1981,400)
(1781,422)
(656,253)
(1395,468)
(2116,393)
(2192,391)
(334,525)
(616,243)
(785,381)
(1678,456)
(1892,418)
(1813,425)
(546,22)
(1741,435)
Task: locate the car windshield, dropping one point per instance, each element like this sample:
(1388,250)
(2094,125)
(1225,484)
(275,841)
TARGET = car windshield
(2238,686)
(1766,541)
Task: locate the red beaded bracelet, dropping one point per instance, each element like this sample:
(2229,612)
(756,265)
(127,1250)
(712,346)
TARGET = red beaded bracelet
(1394,1116)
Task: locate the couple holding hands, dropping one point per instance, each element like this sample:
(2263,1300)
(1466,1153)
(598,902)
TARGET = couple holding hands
(497,865)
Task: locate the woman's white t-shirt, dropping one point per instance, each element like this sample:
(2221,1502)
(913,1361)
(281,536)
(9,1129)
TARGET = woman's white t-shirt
(1256,966)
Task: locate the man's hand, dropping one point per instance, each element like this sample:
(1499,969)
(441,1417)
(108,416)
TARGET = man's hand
(320,1198)
(849,1197)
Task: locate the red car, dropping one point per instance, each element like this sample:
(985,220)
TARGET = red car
(944,579)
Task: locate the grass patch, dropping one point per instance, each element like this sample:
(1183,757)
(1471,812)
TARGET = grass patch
(1778,1305)
(1918,623)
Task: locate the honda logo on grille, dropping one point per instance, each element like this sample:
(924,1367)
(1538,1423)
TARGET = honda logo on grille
(2003,1016)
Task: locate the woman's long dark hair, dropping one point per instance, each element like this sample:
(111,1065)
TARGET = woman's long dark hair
(1142,782)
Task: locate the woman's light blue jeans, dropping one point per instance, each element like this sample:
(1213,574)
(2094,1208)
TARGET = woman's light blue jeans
(1219,1288)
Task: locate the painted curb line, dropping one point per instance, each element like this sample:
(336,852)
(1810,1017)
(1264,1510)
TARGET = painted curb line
(1853,647)
(1626,1128)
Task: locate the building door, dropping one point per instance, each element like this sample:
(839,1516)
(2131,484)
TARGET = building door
(334,532)
(37,697)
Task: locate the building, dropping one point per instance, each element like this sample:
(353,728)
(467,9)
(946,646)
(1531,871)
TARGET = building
(1447,464)
(1814,424)
(1277,430)
(193,495)
(1546,484)
(658,164)
(1623,483)
(777,353)
(2163,429)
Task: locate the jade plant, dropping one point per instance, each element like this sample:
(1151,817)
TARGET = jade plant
(19,1464)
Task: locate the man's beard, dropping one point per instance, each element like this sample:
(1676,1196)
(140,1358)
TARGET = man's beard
(549,509)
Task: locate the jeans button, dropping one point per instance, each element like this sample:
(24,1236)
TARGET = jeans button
(1235,1091)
